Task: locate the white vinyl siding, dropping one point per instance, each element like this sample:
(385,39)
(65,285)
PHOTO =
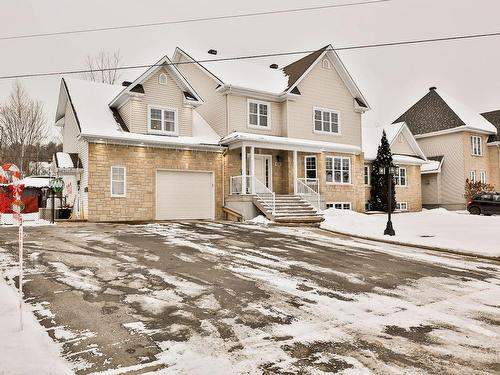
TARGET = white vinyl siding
(339,205)
(476,145)
(118,181)
(338,170)
(259,114)
(326,121)
(401,177)
(162,120)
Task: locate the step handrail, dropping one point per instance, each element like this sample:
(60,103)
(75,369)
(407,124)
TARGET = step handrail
(266,195)
(309,194)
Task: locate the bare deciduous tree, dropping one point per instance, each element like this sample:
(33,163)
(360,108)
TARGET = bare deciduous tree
(103,67)
(23,125)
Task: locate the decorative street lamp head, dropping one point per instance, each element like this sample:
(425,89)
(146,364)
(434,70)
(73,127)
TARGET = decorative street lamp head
(57,184)
(381,170)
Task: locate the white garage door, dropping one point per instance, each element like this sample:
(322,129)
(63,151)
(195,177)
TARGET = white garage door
(184,195)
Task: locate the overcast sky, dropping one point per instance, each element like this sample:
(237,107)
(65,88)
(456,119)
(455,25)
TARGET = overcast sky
(391,78)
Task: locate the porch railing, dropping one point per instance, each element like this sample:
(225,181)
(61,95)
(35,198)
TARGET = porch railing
(236,185)
(308,188)
(266,195)
(256,187)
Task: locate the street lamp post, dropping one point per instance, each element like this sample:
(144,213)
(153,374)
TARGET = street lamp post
(389,171)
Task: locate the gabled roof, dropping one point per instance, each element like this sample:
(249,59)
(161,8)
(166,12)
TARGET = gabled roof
(97,122)
(373,135)
(297,70)
(66,160)
(244,74)
(494,118)
(136,85)
(438,112)
(433,165)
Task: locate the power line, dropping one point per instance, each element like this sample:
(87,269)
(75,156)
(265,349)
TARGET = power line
(256,56)
(191,20)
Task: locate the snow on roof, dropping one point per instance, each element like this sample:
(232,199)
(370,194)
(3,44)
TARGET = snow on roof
(470,117)
(90,100)
(242,74)
(64,160)
(291,143)
(36,181)
(431,166)
(373,135)
(406,159)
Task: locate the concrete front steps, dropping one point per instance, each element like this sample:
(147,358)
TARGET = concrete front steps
(290,209)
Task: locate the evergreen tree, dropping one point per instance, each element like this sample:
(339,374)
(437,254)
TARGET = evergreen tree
(378,194)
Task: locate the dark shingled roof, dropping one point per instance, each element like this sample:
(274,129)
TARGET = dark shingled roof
(76,160)
(430,114)
(494,118)
(297,69)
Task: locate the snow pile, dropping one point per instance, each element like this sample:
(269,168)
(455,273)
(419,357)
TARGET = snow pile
(452,230)
(261,219)
(30,351)
(64,160)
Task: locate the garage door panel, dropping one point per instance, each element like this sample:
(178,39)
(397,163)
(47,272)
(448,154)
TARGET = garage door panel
(184,195)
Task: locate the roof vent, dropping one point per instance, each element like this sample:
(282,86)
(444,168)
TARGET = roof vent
(212,52)
(126,83)
(432,88)
(273,66)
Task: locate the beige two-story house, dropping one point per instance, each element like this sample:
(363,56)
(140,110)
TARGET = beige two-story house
(191,139)
(289,131)
(458,141)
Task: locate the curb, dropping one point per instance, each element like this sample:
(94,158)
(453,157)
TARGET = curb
(424,247)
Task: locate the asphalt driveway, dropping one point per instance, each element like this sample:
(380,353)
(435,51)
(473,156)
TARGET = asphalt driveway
(214,298)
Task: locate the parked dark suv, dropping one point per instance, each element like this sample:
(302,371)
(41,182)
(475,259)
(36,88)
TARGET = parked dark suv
(485,203)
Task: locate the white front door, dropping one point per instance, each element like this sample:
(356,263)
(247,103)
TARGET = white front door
(264,169)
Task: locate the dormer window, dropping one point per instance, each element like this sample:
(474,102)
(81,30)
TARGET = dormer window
(162,120)
(162,79)
(326,64)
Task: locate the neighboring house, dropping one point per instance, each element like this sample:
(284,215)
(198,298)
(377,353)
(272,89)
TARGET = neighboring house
(407,156)
(458,139)
(494,148)
(295,130)
(191,140)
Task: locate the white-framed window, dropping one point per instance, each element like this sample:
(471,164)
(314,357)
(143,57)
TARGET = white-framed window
(162,79)
(310,170)
(118,181)
(476,145)
(259,114)
(326,64)
(338,170)
(472,176)
(162,120)
(401,177)
(367,170)
(339,205)
(326,121)
(402,206)
(482,176)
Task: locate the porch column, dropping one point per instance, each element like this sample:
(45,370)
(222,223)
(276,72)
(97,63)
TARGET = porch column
(243,170)
(295,171)
(252,168)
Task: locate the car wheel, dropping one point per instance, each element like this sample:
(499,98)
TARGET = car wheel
(475,211)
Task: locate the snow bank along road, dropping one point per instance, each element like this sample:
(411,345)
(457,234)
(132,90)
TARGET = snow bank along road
(211,298)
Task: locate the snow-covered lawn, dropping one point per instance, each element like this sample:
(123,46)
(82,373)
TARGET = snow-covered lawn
(30,351)
(452,230)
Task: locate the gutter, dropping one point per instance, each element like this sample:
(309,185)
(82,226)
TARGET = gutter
(157,144)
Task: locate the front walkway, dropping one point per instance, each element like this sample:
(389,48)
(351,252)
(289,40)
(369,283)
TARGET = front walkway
(210,298)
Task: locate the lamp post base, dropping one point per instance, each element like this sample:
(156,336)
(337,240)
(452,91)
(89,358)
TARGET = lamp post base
(389,230)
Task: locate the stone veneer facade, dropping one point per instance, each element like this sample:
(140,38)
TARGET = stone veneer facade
(141,165)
